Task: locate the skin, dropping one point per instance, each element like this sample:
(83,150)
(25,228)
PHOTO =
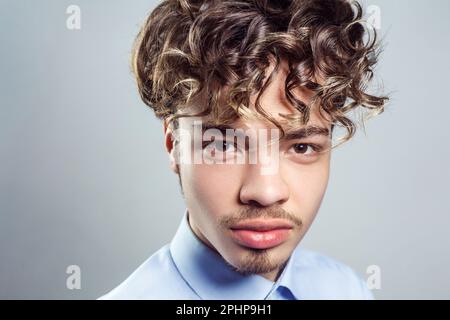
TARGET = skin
(216,192)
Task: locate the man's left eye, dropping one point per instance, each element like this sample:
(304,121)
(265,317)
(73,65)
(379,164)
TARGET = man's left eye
(305,148)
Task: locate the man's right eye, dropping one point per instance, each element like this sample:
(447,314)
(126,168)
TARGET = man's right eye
(219,146)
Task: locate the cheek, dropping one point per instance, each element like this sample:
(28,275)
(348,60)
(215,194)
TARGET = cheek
(211,187)
(307,185)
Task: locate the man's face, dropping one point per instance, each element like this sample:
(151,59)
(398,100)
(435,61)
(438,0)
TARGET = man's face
(255,218)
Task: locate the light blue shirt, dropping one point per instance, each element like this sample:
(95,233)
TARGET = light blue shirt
(188,269)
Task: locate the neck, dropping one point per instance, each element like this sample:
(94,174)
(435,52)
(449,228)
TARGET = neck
(271,276)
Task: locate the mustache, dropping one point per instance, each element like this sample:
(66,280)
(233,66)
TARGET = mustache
(253,212)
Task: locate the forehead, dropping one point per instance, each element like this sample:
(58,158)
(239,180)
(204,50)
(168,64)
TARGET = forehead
(273,102)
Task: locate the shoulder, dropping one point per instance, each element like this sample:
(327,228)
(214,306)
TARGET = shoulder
(156,278)
(323,277)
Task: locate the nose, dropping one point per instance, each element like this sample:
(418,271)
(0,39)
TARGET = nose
(263,189)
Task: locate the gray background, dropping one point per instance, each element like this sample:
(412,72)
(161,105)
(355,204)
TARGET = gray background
(84,178)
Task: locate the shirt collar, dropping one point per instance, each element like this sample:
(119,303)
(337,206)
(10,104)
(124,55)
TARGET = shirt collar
(211,277)
(289,278)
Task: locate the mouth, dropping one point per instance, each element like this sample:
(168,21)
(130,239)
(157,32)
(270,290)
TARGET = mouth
(261,233)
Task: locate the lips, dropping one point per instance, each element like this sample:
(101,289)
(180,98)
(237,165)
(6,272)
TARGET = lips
(261,234)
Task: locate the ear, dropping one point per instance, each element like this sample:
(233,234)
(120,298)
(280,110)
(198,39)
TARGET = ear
(172,150)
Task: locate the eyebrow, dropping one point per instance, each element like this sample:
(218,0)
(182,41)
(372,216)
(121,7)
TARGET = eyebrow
(290,134)
(221,127)
(306,132)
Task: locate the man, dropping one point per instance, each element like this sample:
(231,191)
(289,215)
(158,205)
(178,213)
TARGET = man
(249,93)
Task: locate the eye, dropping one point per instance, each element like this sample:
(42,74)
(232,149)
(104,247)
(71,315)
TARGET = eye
(307,149)
(220,146)
(226,146)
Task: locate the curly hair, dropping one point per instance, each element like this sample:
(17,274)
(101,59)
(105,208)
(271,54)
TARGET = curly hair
(221,49)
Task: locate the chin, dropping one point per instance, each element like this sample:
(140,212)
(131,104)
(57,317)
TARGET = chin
(257,261)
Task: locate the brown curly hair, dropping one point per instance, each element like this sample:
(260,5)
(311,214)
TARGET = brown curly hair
(221,49)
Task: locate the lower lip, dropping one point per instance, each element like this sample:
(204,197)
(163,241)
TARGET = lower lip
(260,239)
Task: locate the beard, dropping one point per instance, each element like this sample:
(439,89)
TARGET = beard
(257,262)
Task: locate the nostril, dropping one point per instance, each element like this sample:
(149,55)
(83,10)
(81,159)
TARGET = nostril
(254,203)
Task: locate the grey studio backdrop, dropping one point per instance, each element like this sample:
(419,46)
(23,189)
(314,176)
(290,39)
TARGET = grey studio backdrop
(85,181)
